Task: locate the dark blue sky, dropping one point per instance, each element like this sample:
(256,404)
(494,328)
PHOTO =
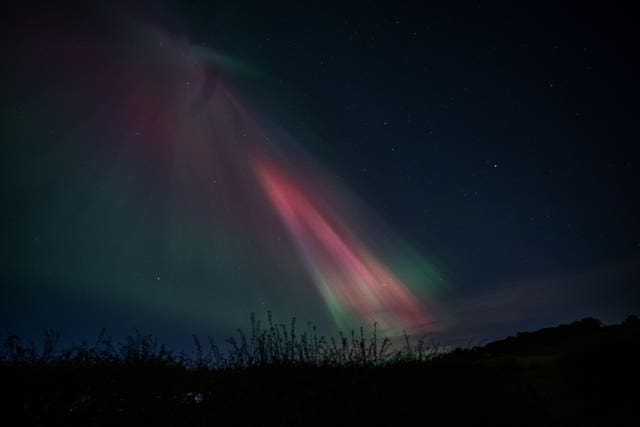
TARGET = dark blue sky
(500,140)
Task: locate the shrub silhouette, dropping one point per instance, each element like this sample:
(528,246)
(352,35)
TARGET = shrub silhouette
(631,320)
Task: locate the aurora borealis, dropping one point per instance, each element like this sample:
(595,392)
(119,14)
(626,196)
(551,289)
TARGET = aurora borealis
(177,167)
(348,277)
(189,167)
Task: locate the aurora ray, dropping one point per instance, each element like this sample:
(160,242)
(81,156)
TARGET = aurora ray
(348,276)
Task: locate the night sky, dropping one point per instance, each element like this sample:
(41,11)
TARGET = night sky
(465,169)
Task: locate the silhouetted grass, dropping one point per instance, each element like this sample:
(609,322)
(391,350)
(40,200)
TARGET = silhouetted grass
(266,345)
(276,374)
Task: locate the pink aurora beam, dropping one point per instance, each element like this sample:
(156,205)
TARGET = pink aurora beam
(349,277)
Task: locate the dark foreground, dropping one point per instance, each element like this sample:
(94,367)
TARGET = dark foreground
(579,374)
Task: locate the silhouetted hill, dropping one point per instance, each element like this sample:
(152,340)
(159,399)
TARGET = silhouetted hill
(577,374)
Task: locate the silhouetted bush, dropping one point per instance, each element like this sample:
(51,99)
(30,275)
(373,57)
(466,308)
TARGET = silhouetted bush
(631,320)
